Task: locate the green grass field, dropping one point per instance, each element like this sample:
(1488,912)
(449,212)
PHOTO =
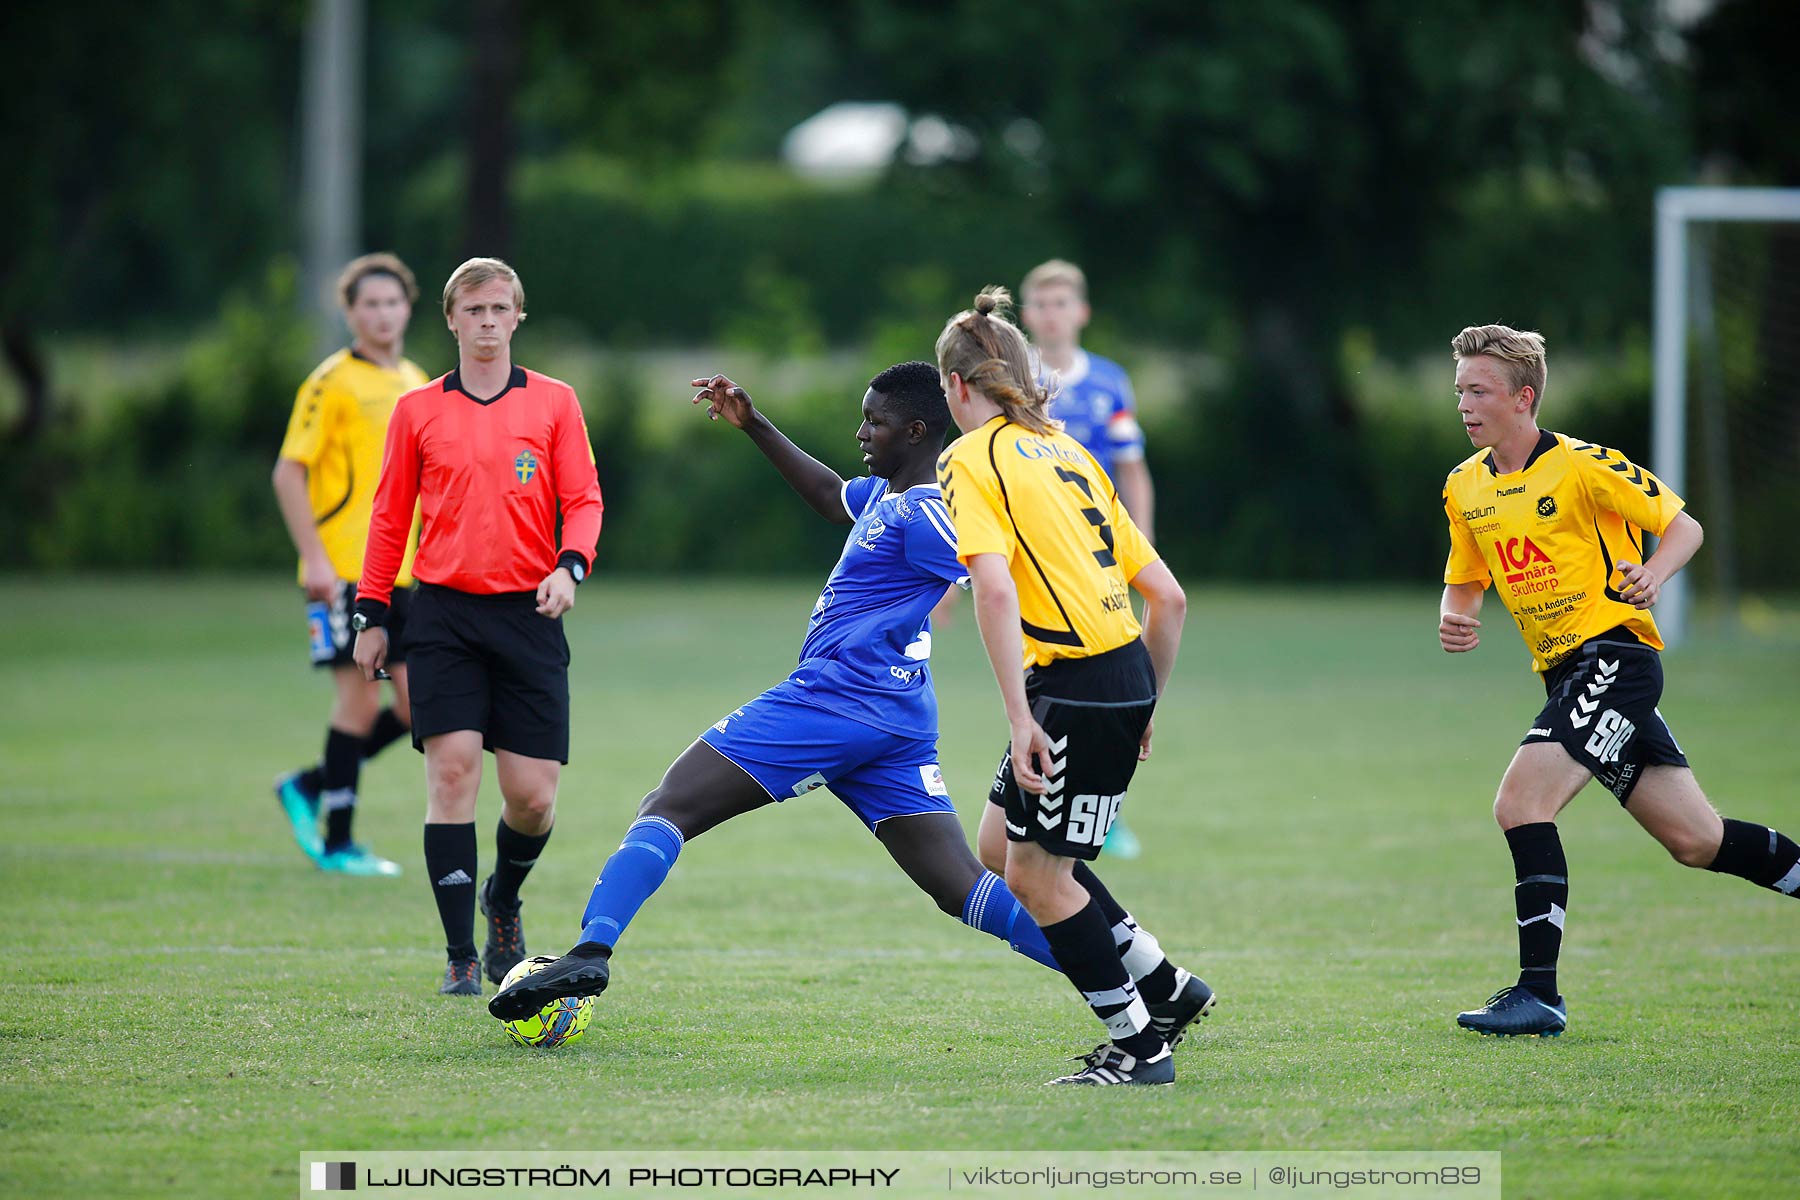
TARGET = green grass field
(187,1004)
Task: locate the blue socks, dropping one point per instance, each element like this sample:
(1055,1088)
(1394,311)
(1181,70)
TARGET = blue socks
(650,847)
(636,869)
(993,909)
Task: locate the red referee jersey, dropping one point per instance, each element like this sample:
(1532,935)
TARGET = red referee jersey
(488,476)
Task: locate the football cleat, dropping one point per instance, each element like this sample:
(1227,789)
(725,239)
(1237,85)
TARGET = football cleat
(1170,1018)
(1108,1064)
(571,975)
(1517,1012)
(462,977)
(505,935)
(1121,842)
(355,859)
(302,809)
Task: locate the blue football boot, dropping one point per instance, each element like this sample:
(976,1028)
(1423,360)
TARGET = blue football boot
(302,809)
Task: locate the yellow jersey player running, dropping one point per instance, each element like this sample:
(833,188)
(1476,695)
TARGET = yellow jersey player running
(324,480)
(1555,525)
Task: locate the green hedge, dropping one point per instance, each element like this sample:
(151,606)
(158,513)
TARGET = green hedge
(175,474)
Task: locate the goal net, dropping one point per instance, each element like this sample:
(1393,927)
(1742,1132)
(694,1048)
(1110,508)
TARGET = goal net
(1726,429)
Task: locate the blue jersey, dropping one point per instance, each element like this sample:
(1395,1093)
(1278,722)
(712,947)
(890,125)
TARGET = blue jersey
(1095,405)
(869,640)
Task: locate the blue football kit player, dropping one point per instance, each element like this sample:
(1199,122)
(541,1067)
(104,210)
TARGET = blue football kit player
(1092,399)
(857,716)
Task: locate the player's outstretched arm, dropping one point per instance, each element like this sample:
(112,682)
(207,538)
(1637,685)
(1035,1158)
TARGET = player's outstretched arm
(1457,624)
(818,485)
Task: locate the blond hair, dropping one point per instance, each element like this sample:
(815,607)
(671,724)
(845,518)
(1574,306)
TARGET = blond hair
(349,280)
(477,271)
(992,356)
(1049,274)
(1520,355)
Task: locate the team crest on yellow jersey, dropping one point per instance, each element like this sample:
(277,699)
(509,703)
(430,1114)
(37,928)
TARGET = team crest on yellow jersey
(525,466)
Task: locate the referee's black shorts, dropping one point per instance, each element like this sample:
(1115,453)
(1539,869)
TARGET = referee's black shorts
(489,663)
(1094,711)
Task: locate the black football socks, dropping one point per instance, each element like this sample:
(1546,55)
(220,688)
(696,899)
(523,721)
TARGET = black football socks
(450,864)
(1761,855)
(515,854)
(338,773)
(1541,897)
(388,729)
(1138,949)
(1084,948)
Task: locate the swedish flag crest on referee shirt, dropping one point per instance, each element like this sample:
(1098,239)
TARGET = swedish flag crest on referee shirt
(525,466)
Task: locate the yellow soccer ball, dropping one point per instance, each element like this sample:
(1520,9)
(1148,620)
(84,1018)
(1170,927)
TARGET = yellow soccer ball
(558,1023)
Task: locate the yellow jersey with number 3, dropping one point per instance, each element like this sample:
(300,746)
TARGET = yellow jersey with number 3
(1549,537)
(1041,502)
(338,431)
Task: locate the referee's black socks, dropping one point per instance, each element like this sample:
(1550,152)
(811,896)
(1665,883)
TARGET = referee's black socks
(1761,855)
(515,854)
(1541,898)
(450,864)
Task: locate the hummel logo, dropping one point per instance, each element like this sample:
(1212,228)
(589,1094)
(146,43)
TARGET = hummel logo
(1607,675)
(1556,916)
(1534,731)
(455,877)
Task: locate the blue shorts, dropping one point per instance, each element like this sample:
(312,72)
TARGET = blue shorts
(791,748)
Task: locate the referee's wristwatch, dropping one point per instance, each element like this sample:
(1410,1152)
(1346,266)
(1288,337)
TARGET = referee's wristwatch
(574,564)
(369,614)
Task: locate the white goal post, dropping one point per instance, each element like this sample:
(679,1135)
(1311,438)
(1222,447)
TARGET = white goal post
(1677,208)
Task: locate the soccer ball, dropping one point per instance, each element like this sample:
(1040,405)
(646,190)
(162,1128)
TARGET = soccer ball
(558,1023)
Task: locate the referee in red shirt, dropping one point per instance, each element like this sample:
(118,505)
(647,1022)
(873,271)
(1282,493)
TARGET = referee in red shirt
(489,453)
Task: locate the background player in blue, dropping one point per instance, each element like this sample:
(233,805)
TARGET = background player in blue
(857,715)
(1092,398)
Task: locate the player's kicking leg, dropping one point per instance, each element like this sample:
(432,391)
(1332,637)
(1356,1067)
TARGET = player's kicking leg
(701,789)
(931,848)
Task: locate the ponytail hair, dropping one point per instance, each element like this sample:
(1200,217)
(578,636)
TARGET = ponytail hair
(991,355)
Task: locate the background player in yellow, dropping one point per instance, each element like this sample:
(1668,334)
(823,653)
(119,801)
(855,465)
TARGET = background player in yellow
(324,481)
(1555,525)
(1053,555)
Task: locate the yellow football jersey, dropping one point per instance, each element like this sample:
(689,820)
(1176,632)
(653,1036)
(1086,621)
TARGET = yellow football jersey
(338,431)
(1549,537)
(1044,504)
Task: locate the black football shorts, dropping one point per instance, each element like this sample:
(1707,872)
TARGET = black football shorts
(1602,710)
(489,663)
(1094,711)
